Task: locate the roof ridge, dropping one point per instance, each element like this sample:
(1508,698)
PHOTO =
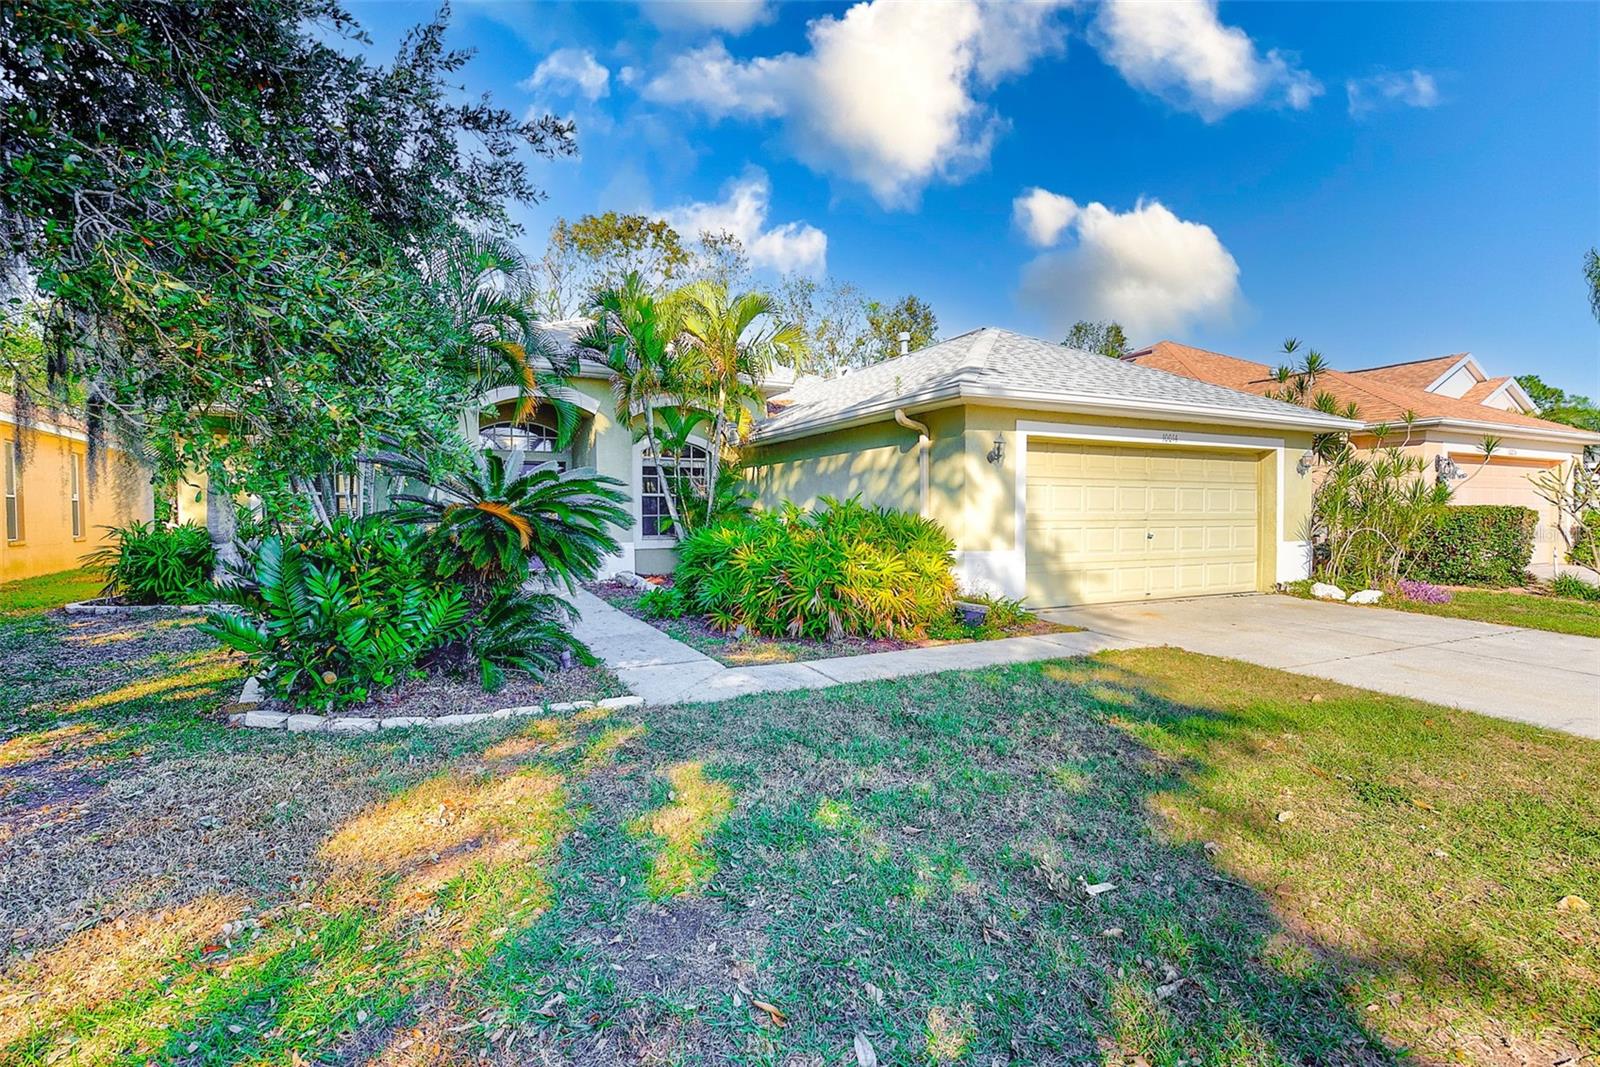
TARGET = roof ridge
(1455,357)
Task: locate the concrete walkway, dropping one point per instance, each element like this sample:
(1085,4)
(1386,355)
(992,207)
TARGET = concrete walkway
(1509,672)
(663,670)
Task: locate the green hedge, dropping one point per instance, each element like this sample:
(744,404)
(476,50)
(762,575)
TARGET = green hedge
(844,568)
(1475,544)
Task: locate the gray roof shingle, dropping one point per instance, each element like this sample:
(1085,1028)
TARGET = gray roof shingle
(1014,368)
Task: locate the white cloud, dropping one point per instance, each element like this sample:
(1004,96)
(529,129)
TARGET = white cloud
(1411,88)
(1182,53)
(726,16)
(886,93)
(743,210)
(572,68)
(1147,269)
(1041,215)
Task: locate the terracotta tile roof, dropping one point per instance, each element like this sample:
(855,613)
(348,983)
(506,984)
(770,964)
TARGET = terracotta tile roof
(1417,374)
(1377,399)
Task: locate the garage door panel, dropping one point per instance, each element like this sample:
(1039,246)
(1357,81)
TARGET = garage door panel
(1108,523)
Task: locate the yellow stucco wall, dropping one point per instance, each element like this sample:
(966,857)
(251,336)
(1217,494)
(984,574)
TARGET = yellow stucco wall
(114,490)
(976,499)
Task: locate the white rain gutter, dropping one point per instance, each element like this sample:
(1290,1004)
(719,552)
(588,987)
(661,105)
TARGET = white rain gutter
(924,439)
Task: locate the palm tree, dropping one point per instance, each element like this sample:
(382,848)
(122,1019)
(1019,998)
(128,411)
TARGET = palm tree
(734,341)
(487,285)
(637,335)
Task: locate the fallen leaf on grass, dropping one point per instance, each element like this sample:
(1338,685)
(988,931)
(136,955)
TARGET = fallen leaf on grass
(1423,804)
(1285,816)
(1572,903)
(873,993)
(866,1055)
(773,1012)
(1098,888)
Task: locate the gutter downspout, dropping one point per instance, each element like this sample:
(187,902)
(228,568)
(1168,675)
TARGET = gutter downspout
(924,439)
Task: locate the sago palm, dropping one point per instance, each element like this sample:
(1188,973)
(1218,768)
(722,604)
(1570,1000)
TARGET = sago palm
(489,531)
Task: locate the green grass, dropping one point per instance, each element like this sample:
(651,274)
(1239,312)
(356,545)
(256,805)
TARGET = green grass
(1303,872)
(33,596)
(1505,608)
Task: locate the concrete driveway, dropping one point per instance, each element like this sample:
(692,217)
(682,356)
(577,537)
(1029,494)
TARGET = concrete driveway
(1512,673)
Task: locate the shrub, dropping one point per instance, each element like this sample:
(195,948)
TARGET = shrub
(1368,512)
(664,603)
(1585,537)
(1422,592)
(844,568)
(151,563)
(342,612)
(1476,544)
(1570,585)
(490,532)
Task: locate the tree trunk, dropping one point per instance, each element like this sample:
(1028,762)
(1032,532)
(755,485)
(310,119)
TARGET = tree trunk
(667,490)
(222,524)
(714,460)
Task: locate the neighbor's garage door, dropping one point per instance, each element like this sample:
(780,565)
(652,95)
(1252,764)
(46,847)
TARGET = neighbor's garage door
(1109,523)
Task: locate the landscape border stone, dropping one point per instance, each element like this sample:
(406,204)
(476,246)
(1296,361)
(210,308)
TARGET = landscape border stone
(251,717)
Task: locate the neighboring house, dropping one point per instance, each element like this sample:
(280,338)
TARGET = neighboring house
(57,500)
(1064,477)
(1456,407)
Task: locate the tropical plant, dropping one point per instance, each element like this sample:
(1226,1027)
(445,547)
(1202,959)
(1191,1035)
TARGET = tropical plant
(844,568)
(518,631)
(490,532)
(347,611)
(1369,511)
(637,334)
(733,341)
(1574,491)
(667,602)
(486,283)
(153,563)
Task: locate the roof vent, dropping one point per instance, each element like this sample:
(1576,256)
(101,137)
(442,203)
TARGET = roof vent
(905,342)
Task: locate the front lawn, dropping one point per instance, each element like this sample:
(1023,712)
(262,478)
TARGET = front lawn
(1144,857)
(33,595)
(1534,610)
(751,649)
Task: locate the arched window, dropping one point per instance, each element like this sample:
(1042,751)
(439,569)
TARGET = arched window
(535,441)
(692,466)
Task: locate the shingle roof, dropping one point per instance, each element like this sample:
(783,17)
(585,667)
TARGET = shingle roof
(1484,389)
(994,363)
(1414,374)
(1376,396)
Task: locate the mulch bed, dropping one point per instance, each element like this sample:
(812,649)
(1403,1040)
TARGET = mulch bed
(438,694)
(754,649)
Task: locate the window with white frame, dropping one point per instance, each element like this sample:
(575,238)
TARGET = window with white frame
(76,499)
(13,481)
(655,520)
(535,440)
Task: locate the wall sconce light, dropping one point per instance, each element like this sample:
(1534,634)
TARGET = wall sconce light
(998,452)
(1303,467)
(1446,469)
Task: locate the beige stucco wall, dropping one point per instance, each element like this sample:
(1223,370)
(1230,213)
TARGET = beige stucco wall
(976,500)
(114,491)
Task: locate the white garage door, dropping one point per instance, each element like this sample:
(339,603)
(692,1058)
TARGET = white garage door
(1108,524)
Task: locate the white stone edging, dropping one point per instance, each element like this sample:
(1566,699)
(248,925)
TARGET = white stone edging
(98,607)
(294,722)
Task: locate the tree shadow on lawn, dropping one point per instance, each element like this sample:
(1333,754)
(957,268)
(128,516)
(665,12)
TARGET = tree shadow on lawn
(906,860)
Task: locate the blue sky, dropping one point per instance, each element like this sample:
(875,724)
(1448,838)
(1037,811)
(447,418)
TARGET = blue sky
(1384,181)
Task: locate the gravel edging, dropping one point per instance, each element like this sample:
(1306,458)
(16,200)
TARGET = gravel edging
(302,723)
(99,607)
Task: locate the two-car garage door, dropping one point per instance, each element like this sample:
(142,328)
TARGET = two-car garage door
(1114,523)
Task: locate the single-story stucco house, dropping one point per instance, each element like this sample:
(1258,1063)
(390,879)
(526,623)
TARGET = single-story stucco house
(1456,406)
(1064,477)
